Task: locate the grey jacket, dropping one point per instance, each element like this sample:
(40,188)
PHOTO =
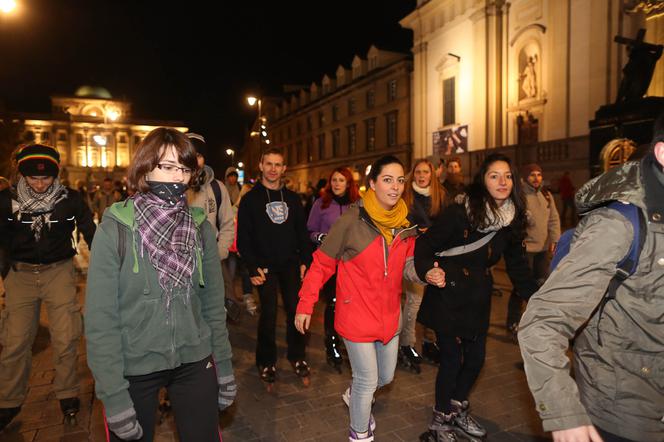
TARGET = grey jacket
(620,384)
(543,227)
(225,215)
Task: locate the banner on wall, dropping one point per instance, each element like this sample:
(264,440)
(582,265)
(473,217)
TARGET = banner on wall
(451,141)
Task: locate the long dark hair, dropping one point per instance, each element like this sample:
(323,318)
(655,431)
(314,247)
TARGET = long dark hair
(479,197)
(377,166)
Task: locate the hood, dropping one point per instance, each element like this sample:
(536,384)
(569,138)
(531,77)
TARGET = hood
(229,170)
(622,183)
(208,173)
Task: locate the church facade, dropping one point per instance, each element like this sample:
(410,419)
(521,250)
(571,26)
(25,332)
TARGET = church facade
(526,76)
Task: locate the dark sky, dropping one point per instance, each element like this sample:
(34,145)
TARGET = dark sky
(188,60)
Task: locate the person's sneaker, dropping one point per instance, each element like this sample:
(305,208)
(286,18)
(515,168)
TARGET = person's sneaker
(354,436)
(250,303)
(7,415)
(464,420)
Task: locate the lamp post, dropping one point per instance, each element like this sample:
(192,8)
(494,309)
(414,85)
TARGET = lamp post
(231,153)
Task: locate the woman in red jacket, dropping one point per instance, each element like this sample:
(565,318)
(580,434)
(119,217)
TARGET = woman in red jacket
(370,247)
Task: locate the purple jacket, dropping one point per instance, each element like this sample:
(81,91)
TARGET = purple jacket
(320,220)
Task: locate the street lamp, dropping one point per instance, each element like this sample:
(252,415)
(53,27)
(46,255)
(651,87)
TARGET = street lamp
(7,6)
(231,153)
(240,165)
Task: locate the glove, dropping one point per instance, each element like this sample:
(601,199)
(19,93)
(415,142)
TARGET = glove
(125,426)
(227,391)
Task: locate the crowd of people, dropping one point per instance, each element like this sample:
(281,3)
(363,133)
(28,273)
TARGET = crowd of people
(412,247)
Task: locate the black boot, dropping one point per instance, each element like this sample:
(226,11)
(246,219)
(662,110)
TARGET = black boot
(70,408)
(6,416)
(431,352)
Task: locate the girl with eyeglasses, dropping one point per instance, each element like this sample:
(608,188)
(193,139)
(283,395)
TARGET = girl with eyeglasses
(154,304)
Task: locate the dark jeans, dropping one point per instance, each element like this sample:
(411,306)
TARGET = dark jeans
(461,360)
(288,280)
(610,437)
(329,294)
(539,263)
(192,389)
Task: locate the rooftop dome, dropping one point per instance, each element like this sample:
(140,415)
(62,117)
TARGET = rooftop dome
(93,92)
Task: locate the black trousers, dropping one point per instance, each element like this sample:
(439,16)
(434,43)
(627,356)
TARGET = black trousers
(192,389)
(461,360)
(610,437)
(329,294)
(288,280)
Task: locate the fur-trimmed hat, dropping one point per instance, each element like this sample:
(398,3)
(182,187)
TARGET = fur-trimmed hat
(38,160)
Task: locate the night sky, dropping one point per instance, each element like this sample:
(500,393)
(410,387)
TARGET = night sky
(193,61)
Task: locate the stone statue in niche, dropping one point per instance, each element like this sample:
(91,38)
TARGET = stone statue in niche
(528,78)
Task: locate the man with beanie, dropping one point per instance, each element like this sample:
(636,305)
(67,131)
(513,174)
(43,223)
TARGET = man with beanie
(542,234)
(617,393)
(37,221)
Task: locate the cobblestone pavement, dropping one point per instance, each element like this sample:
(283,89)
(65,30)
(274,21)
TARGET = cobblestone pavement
(293,412)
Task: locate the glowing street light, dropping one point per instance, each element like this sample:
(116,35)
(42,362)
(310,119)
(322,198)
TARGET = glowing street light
(252,100)
(7,6)
(230,152)
(240,164)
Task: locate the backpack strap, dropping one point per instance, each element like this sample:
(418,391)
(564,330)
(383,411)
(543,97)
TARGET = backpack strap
(628,264)
(217,197)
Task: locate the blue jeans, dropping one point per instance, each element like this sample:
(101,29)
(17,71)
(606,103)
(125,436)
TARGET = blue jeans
(373,365)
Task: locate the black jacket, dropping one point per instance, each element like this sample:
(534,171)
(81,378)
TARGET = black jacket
(274,242)
(57,240)
(462,307)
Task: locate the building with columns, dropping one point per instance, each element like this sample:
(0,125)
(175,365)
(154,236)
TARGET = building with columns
(350,118)
(95,134)
(524,75)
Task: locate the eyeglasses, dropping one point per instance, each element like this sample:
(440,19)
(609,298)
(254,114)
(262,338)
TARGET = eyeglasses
(171,169)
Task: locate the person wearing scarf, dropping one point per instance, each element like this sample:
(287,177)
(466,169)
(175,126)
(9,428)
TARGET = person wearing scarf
(155,302)
(471,236)
(425,198)
(370,249)
(37,222)
(339,193)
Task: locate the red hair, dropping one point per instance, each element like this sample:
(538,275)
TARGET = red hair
(351,189)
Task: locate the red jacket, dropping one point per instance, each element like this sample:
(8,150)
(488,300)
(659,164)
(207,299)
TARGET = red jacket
(369,277)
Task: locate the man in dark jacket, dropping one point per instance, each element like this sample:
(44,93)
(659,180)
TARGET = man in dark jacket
(273,241)
(618,389)
(37,222)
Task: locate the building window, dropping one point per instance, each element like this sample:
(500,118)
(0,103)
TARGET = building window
(335,112)
(289,132)
(298,128)
(62,136)
(336,143)
(371,98)
(301,157)
(392,90)
(45,137)
(352,138)
(308,157)
(321,146)
(448,102)
(370,125)
(321,119)
(309,123)
(373,62)
(351,106)
(391,120)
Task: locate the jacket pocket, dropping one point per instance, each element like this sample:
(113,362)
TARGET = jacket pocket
(192,328)
(149,333)
(639,384)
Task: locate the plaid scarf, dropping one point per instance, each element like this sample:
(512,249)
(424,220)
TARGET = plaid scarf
(38,205)
(170,237)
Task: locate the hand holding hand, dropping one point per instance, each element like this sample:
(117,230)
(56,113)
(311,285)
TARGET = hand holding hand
(302,321)
(436,276)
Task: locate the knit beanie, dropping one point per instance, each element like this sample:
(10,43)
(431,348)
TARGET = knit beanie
(530,168)
(38,160)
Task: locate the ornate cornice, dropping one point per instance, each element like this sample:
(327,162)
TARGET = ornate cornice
(648,7)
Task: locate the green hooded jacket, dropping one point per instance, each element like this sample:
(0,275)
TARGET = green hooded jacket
(127,329)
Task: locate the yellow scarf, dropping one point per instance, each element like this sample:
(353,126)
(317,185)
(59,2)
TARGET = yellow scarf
(385,220)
